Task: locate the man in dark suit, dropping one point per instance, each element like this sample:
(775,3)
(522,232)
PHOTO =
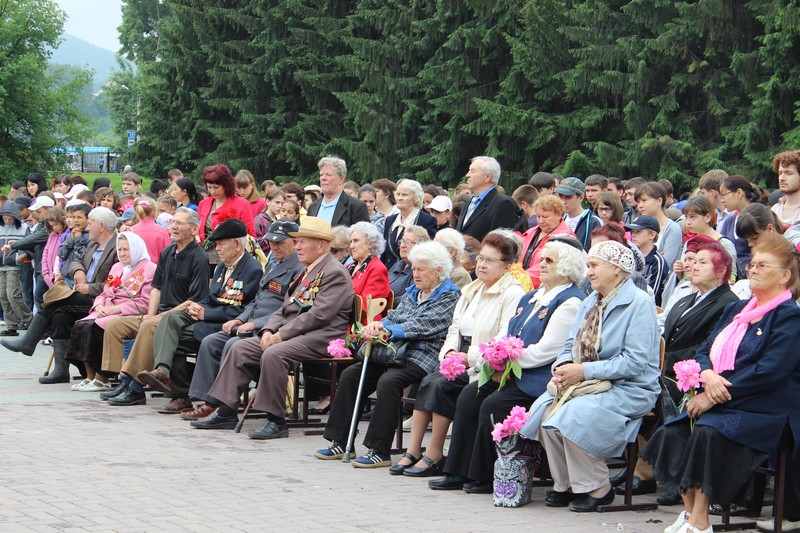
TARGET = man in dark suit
(488,210)
(233,285)
(335,206)
(317,309)
(280,271)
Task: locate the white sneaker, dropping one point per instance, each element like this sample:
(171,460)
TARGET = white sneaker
(689,528)
(787,526)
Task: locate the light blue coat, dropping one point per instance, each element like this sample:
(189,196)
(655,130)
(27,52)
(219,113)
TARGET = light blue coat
(628,356)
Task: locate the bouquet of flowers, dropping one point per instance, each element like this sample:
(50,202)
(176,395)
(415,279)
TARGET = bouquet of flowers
(133,285)
(500,355)
(517,418)
(338,349)
(688,380)
(452,366)
(513,469)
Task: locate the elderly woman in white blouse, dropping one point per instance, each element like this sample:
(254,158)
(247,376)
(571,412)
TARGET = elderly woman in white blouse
(408,198)
(542,320)
(485,307)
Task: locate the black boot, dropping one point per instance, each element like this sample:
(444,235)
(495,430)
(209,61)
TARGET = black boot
(27,343)
(60,371)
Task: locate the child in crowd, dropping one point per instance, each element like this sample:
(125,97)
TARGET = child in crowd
(106,197)
(701,219)
(270,214)
(290,210)
(75,244)
(131,184)
(16,312)
(87,197)
(644,234)
(56,223)
(167,204)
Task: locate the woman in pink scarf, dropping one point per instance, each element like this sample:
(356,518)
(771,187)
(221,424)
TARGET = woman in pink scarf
(750,385)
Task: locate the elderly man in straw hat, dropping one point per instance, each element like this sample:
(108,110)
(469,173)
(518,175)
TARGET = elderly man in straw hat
(316,310)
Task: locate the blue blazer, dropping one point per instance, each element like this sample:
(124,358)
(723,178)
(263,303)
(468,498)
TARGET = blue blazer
(765,381)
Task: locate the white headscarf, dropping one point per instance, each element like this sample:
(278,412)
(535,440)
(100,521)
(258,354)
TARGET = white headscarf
(138,250)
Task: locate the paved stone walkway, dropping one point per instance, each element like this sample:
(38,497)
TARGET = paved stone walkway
(70,462)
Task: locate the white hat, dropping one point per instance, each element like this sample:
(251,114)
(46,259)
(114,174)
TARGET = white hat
(74,201)
(41,201)
(75,190)
(59,196)
(315,188)
(441,204)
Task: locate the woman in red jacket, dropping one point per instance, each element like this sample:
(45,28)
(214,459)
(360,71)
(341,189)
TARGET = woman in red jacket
(222,202)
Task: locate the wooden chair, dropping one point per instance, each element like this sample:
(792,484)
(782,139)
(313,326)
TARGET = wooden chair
(632,456)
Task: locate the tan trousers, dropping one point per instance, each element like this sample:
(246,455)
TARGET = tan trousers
(571,465)
(141,357)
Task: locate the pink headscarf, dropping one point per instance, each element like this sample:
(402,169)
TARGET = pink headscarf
(723,351)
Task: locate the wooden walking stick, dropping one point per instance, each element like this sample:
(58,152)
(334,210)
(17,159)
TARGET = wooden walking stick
(49,363)
(373,308)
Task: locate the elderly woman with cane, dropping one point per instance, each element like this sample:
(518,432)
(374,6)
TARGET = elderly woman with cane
(421,319)
(604,381)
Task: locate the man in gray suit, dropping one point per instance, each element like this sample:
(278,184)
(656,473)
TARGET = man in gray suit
(317,309)
(278,274)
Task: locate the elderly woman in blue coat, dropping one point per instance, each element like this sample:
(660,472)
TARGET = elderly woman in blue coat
(614,342)
(752,382)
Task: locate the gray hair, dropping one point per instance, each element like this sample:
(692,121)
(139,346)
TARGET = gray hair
(490,166)
(374,238)
(339,165)
(104,216)
(341,237)
(414,187)
(420,232)
(571,263)
(434,255)
(194,218)
(452,240)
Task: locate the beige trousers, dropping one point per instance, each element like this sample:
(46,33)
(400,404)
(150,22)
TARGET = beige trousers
(571,465)
(141,357)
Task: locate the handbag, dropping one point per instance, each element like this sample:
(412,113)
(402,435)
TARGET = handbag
(587,386)
(394,355)
(668,408)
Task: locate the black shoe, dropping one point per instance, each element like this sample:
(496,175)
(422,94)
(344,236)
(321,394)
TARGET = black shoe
(9,333)
(640,486)
(670,498)
(587,504)
(55,377)
(476,487)
(215,421)
(398,469)
(114,392)
(447,482)
(366,417)
(618,479)
(128,397)
(434,468)
(270,430)
(559,499)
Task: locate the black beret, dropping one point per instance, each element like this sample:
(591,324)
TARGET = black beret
(233,228)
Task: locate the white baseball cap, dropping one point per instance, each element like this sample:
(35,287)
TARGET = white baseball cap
(41,201)
(441,204)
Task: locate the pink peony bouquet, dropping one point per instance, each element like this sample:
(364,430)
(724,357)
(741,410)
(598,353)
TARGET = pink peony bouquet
(337,349)
(500,355)
(688,380)
(452,366)
(511,425)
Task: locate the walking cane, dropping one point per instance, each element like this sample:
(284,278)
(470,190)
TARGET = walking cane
(49,363)
(374,308)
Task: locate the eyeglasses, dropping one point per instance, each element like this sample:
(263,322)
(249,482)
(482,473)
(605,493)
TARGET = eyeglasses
(604,209)
(490,260)
(408,242)
(335,251)
(760,266)
(724,194)
(547,260)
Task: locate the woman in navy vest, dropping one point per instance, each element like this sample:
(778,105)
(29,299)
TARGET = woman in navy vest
(542,320)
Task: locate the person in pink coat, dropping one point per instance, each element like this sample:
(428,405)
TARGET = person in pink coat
(126,292)
(51,264)
(155,237)
(549,213)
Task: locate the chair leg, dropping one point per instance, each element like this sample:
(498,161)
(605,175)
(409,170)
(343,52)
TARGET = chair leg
(631,456)
(780,489)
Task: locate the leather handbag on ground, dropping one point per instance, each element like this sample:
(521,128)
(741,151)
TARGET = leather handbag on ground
(393,355)
(588,386)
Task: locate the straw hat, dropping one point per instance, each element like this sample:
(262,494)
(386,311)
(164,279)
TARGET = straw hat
(315,228)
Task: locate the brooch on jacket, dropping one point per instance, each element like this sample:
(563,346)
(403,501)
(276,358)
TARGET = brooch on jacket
(233,293)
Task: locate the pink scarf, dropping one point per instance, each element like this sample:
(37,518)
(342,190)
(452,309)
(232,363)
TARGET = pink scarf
(723,351)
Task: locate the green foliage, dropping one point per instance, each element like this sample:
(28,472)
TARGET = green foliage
(413,88)
(37,108)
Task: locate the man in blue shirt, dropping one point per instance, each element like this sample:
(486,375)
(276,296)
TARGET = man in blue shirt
(334,207)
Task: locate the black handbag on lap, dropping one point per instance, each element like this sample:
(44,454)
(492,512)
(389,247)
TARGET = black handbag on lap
(394,355)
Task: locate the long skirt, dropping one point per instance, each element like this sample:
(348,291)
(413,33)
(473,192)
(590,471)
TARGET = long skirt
(703,459)
(438,395)
(86,344)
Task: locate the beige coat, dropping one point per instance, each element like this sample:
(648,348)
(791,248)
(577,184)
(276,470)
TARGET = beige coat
(495,309)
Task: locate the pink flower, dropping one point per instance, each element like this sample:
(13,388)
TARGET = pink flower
(337,349)
(517,418)
(498,353)
(452,366)
(687,375)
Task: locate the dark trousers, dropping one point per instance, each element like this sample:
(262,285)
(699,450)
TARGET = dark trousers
(173,340)
(65,313)
(389,384)
(212,352)
(472,453)
(26,283)
(39,288)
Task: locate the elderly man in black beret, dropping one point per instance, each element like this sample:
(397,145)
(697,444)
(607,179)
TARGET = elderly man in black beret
(233,286)
(283,266)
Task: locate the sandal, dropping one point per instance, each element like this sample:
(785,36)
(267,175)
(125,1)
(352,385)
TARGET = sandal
(397,470)
(95,386)
(47,342)
(317,411)
(83,383)
(434,468)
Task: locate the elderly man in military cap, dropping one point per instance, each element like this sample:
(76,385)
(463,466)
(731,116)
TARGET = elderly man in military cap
(316,310)
(282,268)
(233,286)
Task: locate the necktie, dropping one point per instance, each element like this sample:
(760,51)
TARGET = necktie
(471,208)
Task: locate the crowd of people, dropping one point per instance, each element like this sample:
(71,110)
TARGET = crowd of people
(594,278)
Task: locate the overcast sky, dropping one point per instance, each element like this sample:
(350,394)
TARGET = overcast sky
(95,21)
